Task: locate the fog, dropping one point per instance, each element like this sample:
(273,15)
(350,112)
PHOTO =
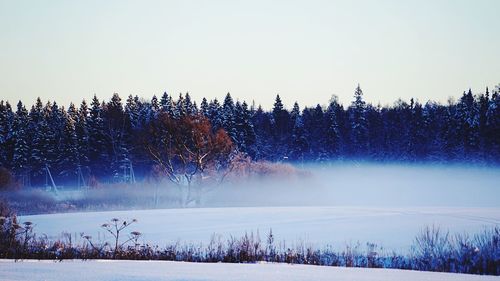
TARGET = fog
(339,204)
(345,184)
(368,184)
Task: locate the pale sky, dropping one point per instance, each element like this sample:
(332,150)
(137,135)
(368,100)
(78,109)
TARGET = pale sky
(306,51)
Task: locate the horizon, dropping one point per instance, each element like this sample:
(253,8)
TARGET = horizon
(324,104)
(303,51)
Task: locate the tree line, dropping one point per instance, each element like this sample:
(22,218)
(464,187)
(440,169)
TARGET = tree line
(103,137)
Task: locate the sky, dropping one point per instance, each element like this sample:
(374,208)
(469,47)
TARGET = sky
(305,51)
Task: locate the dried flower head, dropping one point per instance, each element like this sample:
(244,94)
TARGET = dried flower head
(135,233)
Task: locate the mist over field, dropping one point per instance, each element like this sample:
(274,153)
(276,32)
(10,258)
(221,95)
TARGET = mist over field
(369,184)
(335,184)
(330,204)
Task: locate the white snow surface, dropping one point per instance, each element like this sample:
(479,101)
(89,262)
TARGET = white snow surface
(394,229)
(165,270)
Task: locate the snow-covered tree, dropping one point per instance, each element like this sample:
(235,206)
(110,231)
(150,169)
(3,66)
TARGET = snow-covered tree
(114,120)
(215,114)
(69,158)
(244,127)
(333,138)
(98,150)
(359,125)
(467,113)
(43,138)
(20,138)
(228,118)
(188,105)
(299,144)
(166,103)
(82,134)
(6,145)
(204,108)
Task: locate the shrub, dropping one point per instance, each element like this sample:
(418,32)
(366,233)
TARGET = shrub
(434,250)
(242,167)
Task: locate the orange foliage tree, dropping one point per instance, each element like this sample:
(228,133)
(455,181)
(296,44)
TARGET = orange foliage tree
(188,151)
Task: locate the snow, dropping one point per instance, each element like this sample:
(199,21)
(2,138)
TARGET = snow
(392,228)
(165,270)
(397,202)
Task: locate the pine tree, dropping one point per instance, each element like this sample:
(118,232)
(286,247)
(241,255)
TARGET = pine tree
(483,104)
(432,119)
(244,127)
(98,151)
(69,159)
(55,121)
(280,119)
(215,114)
(299,144)
(359,125)
(82,134)
(20,138)
(180,107)
(332,130)
(155,106)
(467,114)
(493,125)
(132,113)
(195,110)
(418,137)
(42,147)
(188,105)
(228,118)
(6,145)
(174,110)
(317,134)
(294,114)
(264,132)
(153,109)
(114,117)
(204,108)
(166,103)
(4,128)
(376,141)
(451,148)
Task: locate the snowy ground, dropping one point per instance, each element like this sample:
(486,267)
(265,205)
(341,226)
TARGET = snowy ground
(164,270)
(397,202)
(391,228)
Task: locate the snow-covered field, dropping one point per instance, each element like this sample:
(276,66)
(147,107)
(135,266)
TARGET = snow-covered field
(391,228)
(386,205)
(396,201)
(164,270)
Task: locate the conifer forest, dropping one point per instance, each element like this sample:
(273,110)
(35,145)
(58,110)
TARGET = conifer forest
(100,138)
